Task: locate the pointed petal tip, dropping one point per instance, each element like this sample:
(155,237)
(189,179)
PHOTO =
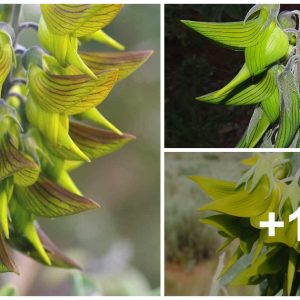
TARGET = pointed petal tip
(128,136)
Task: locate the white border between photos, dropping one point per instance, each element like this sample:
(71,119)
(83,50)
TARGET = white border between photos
(163,150)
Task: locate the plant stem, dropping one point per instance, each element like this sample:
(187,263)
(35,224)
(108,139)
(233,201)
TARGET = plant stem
(15,20)
(26,25)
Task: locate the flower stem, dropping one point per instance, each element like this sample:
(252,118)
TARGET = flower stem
(15,20)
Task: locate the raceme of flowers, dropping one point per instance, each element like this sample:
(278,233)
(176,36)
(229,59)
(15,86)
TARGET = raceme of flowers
(266,186)
(270,76)
(49,123)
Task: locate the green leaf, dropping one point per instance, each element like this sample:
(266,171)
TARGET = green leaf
(78,19)
(270,49)
(95,142)
(45,198)
(125,62)
(6,57)
(8,290)
(70,94)
(102,37)
(63,47)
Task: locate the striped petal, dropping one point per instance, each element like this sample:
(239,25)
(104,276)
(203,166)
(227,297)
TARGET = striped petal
(78,19)
(47,199)
(272,48)
(95,142)
(125,62)
(6,57)
(69,94)
(57,257)
(6,262)
(233,34)
(257,92)
(13,162)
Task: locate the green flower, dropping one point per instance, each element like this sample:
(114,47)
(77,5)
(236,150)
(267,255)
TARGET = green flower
(268,78)
(265,187)
(50,124)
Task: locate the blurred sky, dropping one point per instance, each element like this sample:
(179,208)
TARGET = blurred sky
(124,232)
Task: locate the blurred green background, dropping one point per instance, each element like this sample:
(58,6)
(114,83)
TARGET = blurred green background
(195,66)
(118,245)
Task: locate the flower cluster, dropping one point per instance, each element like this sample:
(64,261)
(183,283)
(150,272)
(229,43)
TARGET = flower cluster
(266,186)
(49,123)
(269,78)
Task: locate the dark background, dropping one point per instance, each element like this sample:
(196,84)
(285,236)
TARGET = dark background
(195,66)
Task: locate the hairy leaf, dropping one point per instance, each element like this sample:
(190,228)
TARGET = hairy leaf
(13,162)
(70,94)
(78,19)
(233,34)
(6,262)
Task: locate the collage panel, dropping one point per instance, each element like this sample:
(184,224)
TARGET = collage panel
(79,149)
(231,76)
(231,224)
